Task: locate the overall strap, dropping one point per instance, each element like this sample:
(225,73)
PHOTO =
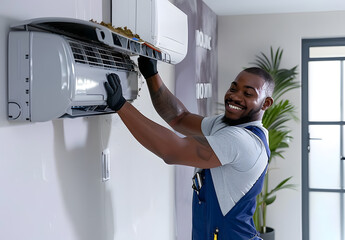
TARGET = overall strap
(258,132)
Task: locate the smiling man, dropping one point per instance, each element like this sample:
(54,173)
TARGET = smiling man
(229,151)
(256,96)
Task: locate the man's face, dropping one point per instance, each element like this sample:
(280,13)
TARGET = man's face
(245,101)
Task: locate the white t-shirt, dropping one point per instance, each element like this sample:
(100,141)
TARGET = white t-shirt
(242,155)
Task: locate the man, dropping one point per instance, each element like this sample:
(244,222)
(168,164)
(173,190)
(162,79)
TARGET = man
(229,151)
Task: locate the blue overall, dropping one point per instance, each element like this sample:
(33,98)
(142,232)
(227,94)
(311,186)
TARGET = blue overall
(238,223)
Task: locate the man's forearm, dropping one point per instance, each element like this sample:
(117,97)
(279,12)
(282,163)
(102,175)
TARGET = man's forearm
(165,103)
(190,151)
(151,135)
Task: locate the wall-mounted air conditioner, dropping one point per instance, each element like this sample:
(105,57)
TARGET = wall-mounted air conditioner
(158,22)
(57,68)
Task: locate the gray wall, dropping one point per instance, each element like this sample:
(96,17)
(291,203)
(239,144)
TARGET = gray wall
(199,67)
(240,39)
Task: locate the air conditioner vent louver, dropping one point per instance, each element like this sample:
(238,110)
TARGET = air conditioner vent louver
(101,57)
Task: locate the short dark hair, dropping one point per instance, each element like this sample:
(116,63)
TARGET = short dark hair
(264,75)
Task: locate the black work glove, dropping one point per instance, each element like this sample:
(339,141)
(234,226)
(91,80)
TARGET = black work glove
(115,100)
(147,66)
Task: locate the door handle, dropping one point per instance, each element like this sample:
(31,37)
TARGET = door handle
(315,138)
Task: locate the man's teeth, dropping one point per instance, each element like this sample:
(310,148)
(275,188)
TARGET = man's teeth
(234,107)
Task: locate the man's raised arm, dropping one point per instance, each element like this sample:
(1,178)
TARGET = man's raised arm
(169,107)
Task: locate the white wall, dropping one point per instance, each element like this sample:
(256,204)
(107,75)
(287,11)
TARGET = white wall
(50,173)
(241,38)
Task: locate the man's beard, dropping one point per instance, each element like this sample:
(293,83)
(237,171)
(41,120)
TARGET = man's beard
(245,119)
(232,122)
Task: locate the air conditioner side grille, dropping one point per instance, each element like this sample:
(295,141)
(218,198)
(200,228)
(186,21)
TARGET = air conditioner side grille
(102,57)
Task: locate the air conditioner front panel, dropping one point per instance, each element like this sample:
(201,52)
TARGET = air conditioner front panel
(76,76)
(52,76)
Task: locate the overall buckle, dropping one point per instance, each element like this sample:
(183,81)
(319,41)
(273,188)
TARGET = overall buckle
(197,182)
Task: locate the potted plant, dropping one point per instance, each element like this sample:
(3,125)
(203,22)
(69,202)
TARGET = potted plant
(274,121)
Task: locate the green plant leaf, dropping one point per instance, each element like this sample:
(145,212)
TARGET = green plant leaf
(278,114)
(270,200)
(282,185)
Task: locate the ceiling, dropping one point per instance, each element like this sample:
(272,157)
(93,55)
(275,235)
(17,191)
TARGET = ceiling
(235,7)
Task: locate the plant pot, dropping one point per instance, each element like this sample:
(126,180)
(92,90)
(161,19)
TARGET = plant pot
(268,235)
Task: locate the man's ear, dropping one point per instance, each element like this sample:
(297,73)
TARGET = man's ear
(268,102)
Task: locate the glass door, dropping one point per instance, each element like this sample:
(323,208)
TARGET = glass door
(323,81)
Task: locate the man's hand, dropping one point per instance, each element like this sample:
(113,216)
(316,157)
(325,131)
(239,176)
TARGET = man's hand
(115,100)
(147,66)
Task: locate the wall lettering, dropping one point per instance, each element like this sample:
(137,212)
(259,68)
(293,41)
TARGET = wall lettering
(203,90)
(203,40)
